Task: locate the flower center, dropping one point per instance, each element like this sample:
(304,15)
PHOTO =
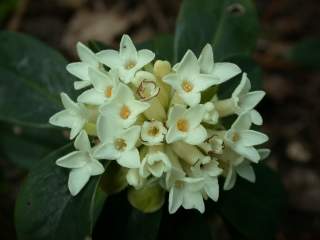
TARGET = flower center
(130,64)
(187,86)
(153,131)
(235,137)
(120,144)
(125,112)
(182,125)
(179,184)
(108,91)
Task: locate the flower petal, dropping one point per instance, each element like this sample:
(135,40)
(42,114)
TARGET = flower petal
(249,153)
(252,138)
(127,49)
(189,65)
(245,170)
(250,100)
(92,96)
(78,178)
(193,200)
(212,188)
(173,135)
(96,168)
(243,122)
(144,57)
(196,135)
(130,159)
(195,115)
(86,55)
(80,70)
(230,180)
(243,87)
(100,80)
(256,118)
(191,99)
(74,159)
(106,151)
(82,142)
(225,71)
(110,58)
(68,103)
(206,59)
(174,113)
(175,199)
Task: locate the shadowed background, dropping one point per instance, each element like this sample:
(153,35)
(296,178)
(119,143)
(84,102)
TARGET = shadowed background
(288,50)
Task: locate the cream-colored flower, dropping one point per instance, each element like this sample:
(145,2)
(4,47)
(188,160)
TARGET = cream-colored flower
(188,82)
(124,108)
(128,60)
(82,163)
(80,69)
(153,132)
(185,124)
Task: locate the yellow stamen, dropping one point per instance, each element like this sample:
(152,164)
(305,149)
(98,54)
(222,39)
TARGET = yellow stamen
(153,131)
(125,112)
(187,86)
(130,64)
(108,91)
(182,125)
(179,184)
(235,137)
(120,144)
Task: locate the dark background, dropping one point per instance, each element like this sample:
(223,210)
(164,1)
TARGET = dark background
(291,108)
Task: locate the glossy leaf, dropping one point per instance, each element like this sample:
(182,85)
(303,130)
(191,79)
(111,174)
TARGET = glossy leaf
(231,26)
(45,208)
(254,210)
(25,146)
(32,76)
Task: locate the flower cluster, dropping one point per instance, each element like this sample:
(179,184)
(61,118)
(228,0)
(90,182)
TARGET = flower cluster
(152,119)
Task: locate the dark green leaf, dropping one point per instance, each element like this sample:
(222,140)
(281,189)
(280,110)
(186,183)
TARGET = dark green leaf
(306,53)
(32,76)
(25,146)
(248,66)
(230,25)
(6,6)
(254,210)
(45,208)
(161,45)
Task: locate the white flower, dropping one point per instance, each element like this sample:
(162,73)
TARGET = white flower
(246,100)
(128,60)
(221,70)
(82,163)
(238,165)
(242,140)
(213,145)
(209,171)
(118,143)
(186,192)
(188,81)
(184,124)
(134,179)
(75,116)
(80,69)
(124,108)
(211,116)
(155,163)
(104,87)
(153,132)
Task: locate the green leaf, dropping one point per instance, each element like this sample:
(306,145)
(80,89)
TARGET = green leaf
(147,199)
(161,45)
(254,210)
(306,53)
(32,78)
(25,146)
(115,179)
(231,26)
(97,46)
(248,66)
(45,208)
